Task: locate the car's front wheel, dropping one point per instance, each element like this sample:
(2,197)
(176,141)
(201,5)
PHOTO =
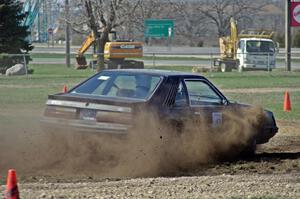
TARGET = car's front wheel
(240,68)
(249,149)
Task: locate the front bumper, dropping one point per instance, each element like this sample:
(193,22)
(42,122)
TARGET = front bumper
(267,133)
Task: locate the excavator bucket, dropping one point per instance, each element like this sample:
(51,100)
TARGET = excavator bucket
(81,62)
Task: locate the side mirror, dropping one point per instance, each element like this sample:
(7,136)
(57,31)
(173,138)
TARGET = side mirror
(224,102)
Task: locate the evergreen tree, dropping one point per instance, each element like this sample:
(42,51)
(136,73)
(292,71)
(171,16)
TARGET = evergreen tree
(12,32)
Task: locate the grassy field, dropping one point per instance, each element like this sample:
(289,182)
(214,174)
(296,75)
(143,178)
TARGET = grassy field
(32,90)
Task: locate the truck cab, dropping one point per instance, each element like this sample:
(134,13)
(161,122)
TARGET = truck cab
(256,54)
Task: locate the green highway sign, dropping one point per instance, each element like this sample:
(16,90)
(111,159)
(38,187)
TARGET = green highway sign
(159,28)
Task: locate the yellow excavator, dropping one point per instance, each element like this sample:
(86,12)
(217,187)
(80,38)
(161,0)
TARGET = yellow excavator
(115,53)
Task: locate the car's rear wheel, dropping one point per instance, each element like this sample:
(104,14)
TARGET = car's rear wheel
(249,149)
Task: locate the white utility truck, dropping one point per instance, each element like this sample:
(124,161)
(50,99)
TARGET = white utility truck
(249,50)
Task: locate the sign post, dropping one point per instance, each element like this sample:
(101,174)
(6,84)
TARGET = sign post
(50,31)
(287,35)
(50,35)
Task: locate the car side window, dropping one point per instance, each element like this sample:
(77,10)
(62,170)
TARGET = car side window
(200,93)
(181,96)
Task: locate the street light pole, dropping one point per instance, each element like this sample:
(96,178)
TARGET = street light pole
(68,62)
(287,35)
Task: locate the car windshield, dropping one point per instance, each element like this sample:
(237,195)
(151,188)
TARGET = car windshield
(260,46)
(125,85)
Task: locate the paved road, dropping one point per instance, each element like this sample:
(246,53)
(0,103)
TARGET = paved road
(175,50)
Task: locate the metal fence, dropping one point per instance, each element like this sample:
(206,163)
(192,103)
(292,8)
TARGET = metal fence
(167,58)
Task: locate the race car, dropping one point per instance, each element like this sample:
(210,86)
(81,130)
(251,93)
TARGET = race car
(110,102)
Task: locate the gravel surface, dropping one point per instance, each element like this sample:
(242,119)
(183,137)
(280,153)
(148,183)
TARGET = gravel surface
(273,173)
(220,186)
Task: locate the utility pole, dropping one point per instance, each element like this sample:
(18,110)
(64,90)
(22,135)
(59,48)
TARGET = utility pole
(68,62)
(287,35)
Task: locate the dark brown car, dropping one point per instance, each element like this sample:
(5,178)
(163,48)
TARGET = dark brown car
(109,102)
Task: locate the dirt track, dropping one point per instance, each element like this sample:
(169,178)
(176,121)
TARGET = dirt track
(274,171)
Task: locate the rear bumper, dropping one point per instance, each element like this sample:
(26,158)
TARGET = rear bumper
(49,124)
(267,134)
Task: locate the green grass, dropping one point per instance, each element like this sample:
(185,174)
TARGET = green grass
(173,68)
(256,79)
(251,79)
(48,75)
(272,101)
(32,90)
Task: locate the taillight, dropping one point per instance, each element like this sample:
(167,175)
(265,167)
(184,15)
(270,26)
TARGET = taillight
(114,117)
(62,112)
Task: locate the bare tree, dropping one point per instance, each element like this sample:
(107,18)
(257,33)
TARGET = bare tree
(190,24)
(101,16)
(148,9)
(220,12)
(195,20)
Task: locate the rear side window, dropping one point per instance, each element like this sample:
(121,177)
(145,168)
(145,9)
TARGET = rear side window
(111,84)
(181,96)
(200,93)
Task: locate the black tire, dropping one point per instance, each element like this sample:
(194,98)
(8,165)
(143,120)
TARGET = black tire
(133,64)
(240,68)
(111,65)
(225,68)
(249,150)
(269,70)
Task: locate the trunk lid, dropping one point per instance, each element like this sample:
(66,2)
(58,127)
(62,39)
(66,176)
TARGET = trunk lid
(90,113)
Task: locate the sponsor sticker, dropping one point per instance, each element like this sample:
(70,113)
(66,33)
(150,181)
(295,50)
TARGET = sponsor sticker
(103,77)
(216,119)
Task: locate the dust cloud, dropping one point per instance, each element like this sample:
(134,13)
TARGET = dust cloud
(152,148)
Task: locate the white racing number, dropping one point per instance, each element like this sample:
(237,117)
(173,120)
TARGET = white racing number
(216,119)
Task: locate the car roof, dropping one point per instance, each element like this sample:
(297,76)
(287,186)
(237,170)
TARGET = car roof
(166,73)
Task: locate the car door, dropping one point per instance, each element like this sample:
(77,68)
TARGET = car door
(175,108)
(206,103)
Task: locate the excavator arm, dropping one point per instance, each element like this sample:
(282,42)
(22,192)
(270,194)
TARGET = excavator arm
(86,44)
(228,46)
(80,58)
